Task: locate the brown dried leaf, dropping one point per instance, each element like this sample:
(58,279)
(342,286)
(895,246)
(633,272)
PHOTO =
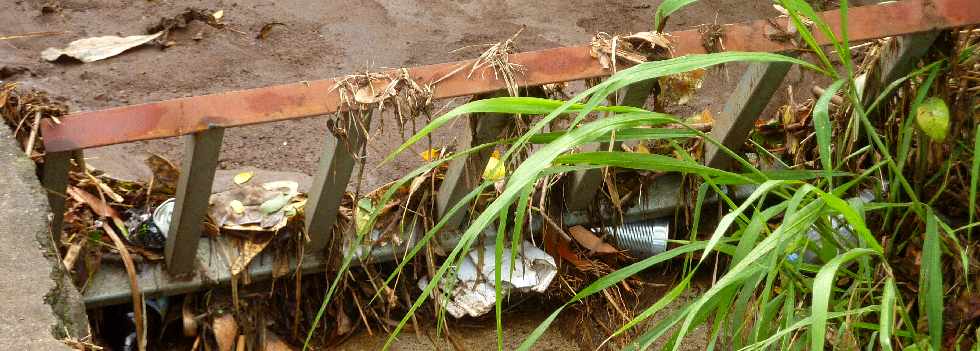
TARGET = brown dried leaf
(590,241)
(266,29)
(225,331)
(250,249)
(274,343)
(94,202)
(165,174)
(678,89)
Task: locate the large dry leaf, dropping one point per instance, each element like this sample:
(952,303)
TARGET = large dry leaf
(165,174)
(98,48)
(274,343)
(98,206)
(225,331)
(251,248)
(590,241)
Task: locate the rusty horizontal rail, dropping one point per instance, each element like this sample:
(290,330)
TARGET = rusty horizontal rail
(306,99)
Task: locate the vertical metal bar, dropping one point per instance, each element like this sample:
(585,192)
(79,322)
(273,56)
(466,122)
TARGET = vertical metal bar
(330,182)
(55,182)
(193,193)
(736,120)
(586,184)
(464,174)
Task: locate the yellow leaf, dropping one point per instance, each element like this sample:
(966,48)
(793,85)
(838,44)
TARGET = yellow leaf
(495,169)
(242,178)
(218,14)
(237,206)
(430,154)
(641,149)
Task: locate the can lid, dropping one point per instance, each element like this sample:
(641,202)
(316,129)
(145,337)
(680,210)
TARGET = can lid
(163,214)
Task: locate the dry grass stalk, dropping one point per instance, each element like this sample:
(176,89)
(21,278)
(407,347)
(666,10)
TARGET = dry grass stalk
(497,57)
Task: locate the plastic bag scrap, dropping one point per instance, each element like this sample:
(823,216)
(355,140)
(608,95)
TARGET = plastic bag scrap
(473,293)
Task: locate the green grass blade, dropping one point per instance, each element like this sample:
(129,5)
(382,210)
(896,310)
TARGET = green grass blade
(513,105)
(797,8)
(662,302)
(498,256)
(854,219)
(823,286)
(974,177)
(905,138)
(515,242)
(665,9)
(931,280)
(729,218)
(539,331)
(649,162)
(886,319)
(792,226)
(627,134)
(359,237)
(823,127)
(525,175)
(610,280)
(803,323)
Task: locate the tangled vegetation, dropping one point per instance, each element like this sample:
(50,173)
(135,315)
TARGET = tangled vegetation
(864,242)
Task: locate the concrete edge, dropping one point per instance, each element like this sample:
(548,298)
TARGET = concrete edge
(65,301)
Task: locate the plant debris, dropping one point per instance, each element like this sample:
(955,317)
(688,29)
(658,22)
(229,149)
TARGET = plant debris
(180,21)
(98,48)
(267,29)
(634,48)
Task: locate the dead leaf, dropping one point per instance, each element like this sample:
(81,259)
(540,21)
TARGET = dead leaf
(367,95)
(218,14)
(98,48)
(590,241)
(250,249)
(680,88)
(225,331)
(242,178)
(266,29)
(165,174)
(95,203)
(431,154)
(274,343)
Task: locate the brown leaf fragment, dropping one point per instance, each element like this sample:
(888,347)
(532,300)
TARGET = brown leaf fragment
(590,241)
(267,29)
(98,206)
(225,332)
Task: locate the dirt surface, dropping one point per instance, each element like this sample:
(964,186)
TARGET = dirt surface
(319,39)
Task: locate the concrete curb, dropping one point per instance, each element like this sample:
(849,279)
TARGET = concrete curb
(38,303)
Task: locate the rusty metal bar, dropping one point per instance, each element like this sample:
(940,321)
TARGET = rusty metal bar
(193,193)
(305,99)
(336,165)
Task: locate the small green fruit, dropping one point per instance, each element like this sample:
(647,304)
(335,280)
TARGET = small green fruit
(932,116)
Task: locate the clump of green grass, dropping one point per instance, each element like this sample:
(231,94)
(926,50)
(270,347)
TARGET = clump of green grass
(857,294)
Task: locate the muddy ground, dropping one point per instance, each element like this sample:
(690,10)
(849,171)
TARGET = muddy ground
(319,39)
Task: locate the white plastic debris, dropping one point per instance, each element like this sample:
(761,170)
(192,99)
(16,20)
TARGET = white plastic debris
(473,293)
(98,48)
